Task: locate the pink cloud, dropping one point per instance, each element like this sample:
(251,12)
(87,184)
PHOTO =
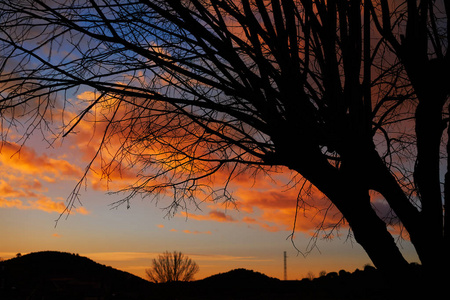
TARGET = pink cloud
(196,232)
(213,215)
(262,224)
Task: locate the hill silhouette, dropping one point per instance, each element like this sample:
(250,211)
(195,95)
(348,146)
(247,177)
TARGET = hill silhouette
(238,276)
(58,275)
(234,284)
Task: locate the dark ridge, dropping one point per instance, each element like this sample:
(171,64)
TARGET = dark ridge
(59,275)
(235,284)
(238,276)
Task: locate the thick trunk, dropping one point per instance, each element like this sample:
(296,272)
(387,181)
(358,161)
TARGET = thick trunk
(348,191)
(427,245)
(429,78)
(429,128)
(371,232)
(447,206)
(430,236)
(411,218)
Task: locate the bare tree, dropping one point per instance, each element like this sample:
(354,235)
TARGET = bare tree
(420,41)
(170,267)
(328,89)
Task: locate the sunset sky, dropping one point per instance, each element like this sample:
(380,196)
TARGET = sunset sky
(252,233)
(36,181)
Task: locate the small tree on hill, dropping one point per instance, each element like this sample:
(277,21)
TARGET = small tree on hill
(170,267)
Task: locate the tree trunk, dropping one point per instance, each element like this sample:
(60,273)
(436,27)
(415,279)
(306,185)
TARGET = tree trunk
(429,242)
(371,232)
(348,190)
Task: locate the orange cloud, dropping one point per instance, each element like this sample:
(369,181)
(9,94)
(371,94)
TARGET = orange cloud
(107,170)
(248,200)
(91,130)
(260,200)
(26,161)
(43,204)
(14,203)
(7,190)
(47,205)
(245,179)
(275,210)
(25,175)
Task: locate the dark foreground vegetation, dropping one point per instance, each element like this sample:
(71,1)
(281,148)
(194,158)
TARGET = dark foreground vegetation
(57,275)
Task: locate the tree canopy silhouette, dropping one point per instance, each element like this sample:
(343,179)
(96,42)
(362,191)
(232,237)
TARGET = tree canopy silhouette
(329,89)
(169,267)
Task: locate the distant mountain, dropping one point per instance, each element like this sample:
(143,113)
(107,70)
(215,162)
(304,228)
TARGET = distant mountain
(59,275)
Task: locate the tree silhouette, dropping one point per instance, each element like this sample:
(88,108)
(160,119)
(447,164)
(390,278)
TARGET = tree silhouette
(170,267)
(329,89)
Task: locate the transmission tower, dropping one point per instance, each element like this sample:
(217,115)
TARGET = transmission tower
(285,266)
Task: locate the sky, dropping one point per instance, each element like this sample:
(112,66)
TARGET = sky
(37,179)
(36,182)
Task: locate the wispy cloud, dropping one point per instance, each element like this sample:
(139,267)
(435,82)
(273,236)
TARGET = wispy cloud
(187,231)
(48,205)
(119,256)
(136,256)
(43,204)
(196,232)
(224,258)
